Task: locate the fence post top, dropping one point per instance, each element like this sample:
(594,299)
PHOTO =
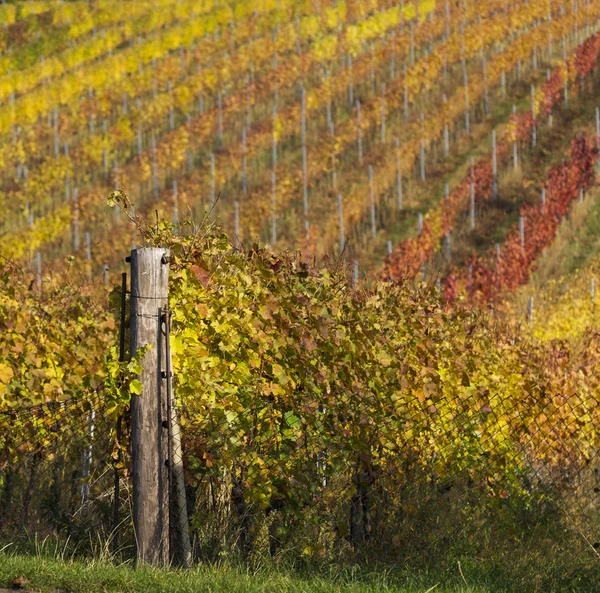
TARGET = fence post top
(150,251)
(149,273)
(148,255)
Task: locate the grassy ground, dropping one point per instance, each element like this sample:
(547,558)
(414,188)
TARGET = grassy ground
(532,573)
(577,242)
(36,573)
(576,245)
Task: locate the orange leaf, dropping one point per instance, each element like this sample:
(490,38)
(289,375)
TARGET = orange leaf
(201,275)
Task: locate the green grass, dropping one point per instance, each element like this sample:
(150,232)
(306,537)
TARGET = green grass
(577,243)
(580,236)
(41,573)
(531,572)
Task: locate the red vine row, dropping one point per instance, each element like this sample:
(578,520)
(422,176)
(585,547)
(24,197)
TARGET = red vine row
(410,255)
(486,278)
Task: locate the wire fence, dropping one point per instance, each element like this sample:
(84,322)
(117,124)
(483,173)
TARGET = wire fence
(461,476)
(418,478)
(453,476)
(60,474)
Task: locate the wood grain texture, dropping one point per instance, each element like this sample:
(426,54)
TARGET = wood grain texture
(149,293)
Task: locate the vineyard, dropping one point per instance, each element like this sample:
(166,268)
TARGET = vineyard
(372,326)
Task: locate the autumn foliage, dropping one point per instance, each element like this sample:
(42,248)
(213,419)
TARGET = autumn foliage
(322,419)
(411,254)
(488,278)
(322,411)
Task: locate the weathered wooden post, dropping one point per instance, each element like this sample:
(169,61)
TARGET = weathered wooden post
(155,188)
(274,139)
(175,204)
(472,194)
(486,101)
(422,148)
(383,112)
(220,119)
(522,232)
(355,274)
(328,104)
(466,88)
(566,81)
(86,461)
(273,208)
(38,274)
(372,203)
(236,224)
(149,420)
(213,198)
(398,175)
(494,167)
(305,187)
(533,114)
(350,82)
(341,223)
(244,163)
(75,223)
(543,199)
(359,133)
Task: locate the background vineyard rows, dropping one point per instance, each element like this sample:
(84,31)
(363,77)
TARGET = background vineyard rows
(270,141)
(381,218)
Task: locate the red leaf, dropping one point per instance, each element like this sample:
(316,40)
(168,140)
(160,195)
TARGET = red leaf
(201,275)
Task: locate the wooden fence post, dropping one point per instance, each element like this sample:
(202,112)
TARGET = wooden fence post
(149,420)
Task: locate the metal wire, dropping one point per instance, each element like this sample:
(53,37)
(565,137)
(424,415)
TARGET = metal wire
(57,471)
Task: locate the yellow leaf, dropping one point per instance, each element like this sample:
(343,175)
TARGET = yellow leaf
(6,373)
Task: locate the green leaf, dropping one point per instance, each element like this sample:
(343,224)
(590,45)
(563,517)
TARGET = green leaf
(280,374)
(136,387)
